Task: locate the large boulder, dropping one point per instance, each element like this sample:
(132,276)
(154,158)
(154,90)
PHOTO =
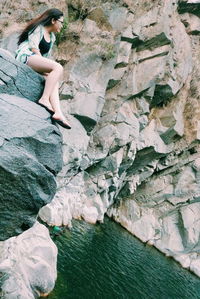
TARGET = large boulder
(28,264)
(30,149)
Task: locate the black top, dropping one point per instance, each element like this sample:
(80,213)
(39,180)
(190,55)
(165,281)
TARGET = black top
(44,46)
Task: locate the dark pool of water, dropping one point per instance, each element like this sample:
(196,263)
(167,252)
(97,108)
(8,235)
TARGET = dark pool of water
(104,261)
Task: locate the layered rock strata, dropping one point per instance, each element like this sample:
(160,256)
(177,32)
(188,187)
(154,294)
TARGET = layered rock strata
(136,155)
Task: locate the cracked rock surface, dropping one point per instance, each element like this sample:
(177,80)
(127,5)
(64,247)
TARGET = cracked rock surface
(18,79)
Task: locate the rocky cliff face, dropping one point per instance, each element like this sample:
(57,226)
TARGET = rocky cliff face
(133,85)
(131,88)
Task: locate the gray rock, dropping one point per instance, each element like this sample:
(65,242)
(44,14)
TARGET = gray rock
(164,208)
(162,68)
(91,71)
(19,79)
(93,74)
(30,154)
(75,143)
(124,54)
(117,17)
(128,36)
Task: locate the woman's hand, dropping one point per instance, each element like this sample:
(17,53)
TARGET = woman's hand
(36,51)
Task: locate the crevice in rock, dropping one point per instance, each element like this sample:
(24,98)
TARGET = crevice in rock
(154,56)
(155,42)
(88,123)
(184,7)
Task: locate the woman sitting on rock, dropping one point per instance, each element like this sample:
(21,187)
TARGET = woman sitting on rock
(35,44)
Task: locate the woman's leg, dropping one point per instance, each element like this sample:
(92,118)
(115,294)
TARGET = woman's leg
(55,103)
(50,96)
(44,65)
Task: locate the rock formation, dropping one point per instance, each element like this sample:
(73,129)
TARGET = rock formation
(133,84)
(30,157)
(131,88)
(30,148)
(28,264)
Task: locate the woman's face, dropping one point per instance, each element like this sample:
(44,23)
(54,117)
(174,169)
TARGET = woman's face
(57,24)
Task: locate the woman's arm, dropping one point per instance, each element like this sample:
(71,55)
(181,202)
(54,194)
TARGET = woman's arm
(34,39)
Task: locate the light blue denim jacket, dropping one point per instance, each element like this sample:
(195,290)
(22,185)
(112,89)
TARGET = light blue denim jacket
(34,38)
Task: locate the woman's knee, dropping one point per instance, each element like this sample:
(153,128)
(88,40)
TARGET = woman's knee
(58,67)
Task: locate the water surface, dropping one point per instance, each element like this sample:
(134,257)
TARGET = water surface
(104,261)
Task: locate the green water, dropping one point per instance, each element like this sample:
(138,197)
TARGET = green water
(104,261)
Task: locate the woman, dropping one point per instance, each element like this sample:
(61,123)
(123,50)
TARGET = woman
(35,44)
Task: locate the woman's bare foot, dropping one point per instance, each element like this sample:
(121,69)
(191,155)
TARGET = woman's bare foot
(44,102)
(61,120)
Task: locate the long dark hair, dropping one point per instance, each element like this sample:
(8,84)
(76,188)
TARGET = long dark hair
(45,20)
